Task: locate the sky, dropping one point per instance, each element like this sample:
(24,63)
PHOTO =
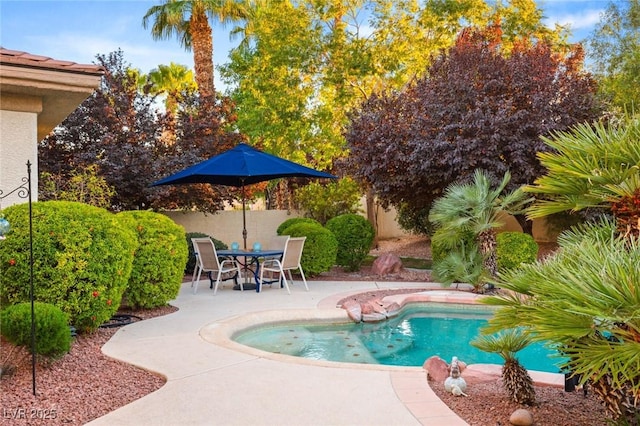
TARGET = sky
(78,30)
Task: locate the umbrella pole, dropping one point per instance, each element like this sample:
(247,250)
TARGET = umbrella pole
(244,220)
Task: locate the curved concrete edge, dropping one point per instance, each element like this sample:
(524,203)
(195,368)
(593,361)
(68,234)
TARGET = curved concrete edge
(221,333)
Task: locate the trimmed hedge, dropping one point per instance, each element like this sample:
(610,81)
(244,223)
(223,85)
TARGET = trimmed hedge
(320,247)
(294,221)
(158,264)
(191,261)
(52,336)
(82,260)
(514,249)
(355,235)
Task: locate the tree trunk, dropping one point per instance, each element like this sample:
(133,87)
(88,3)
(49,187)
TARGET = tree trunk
(372,217)
(525,224)
(202,45)
(487,246)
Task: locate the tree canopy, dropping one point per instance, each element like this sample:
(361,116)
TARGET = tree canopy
(118,131)
(475,108)
(615,50)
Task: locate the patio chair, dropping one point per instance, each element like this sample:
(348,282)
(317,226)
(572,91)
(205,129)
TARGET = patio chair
(290,260)
(207,261)
(277,242)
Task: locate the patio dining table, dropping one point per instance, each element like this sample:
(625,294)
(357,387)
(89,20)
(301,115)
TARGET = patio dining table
(251,263)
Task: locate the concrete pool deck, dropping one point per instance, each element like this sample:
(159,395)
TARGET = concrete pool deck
(210,380)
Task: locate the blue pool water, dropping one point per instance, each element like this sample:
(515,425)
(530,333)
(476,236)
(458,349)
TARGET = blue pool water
(407,340)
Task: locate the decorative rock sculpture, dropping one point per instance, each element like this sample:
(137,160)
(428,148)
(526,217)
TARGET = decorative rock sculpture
(454,383)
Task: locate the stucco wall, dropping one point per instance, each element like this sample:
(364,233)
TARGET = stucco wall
(18,144)
(226,225)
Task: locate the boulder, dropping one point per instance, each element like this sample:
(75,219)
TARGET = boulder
(437,368)
(386,263)
(521,417)
(374,317)
(354,310)
(366,308)
(392,309)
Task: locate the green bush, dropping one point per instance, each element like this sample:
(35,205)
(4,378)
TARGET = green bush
(515,248)
(82,260)
(52,334)
(158,264)
(320,247)
(441,247)
(191,261)
(322,201)
(355,235)
(294,221)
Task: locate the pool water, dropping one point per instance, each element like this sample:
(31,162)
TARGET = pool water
(420,332)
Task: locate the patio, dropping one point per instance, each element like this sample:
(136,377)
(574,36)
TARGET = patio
(210,383)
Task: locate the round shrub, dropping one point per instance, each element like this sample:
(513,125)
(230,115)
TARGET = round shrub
(515,248)
(355,235)
(52,336)
(293,221)
(82,260)
(320,247)
(158,264)
(191,261)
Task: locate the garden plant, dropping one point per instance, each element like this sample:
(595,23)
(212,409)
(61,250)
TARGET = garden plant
(320,247)
(82,260)
(585,298)
(158,263)
(355,235)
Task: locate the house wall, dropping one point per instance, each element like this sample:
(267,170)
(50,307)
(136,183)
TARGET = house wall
(18,144)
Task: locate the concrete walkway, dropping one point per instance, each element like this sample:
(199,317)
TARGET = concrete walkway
(211,382)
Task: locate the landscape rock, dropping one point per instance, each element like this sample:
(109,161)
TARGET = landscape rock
(373,317)
(437,368)
(366,308)
(354,310)
(392,309)
(386,263)
(521,417)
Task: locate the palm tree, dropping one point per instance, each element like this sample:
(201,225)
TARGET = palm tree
(188,20)
(584,300)
(515,378)
(476,207)
(173,80)
(586,297)
(593,166)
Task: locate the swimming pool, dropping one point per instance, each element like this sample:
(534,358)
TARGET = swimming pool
(420,331)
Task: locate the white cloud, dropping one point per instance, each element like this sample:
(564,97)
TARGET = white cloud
(585,19)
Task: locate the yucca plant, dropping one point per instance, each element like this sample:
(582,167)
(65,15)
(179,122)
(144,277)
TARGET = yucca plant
(586,300)
(515,378)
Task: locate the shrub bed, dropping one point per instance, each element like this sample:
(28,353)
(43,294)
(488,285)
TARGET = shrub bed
(82,260)
(159,261)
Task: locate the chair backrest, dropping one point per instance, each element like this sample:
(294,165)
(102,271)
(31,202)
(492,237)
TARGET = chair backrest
(293,252)
(205,253)
(279,242)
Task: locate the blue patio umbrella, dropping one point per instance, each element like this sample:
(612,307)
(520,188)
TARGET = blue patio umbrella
(240,166)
